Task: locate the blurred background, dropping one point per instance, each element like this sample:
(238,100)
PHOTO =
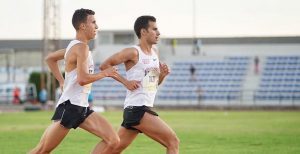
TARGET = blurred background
(228,54)
(225,57)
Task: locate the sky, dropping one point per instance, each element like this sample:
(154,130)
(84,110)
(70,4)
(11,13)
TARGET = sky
(23,19)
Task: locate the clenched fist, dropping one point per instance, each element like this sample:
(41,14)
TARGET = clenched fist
(132,85)
(164,69)
(111,72)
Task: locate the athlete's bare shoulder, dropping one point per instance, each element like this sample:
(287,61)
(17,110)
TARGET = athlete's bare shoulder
(75,53)
(130,50)
(80,49)
(130,53)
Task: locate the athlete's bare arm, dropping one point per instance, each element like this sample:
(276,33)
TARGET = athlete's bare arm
(163,68)
(81,52)
(52,60)
(129,57)
(164,71)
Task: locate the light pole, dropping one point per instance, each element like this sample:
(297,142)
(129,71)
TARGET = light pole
(194,41)
(194,19)
(51,31)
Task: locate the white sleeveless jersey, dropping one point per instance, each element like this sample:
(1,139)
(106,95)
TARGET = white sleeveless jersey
(77,94)
(145,70)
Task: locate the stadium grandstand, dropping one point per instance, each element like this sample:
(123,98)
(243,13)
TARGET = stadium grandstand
(226,72)
(225,69)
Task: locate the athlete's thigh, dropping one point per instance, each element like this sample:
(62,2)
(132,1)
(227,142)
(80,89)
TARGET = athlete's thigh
(98,125)
(53,135)
(156,128)
(126,137)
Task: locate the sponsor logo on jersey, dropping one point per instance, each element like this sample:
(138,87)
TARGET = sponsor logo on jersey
(146,61)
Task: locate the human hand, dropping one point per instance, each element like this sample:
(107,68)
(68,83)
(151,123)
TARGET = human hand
(111,72)
(164,69)
(132,85)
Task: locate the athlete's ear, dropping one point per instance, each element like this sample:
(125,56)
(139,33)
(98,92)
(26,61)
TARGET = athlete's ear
(82,26)
(143,31)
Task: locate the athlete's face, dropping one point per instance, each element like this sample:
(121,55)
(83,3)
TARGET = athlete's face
(152,33)
(91,27)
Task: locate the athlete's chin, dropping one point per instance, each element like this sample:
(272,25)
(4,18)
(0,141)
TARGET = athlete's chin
(94,36)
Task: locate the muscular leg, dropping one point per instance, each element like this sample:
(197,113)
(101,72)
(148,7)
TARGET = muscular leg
(126,137)
(158,130)
(100,127)
(52,136)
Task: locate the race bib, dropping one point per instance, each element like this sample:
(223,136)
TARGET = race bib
(150,81)
(87,88)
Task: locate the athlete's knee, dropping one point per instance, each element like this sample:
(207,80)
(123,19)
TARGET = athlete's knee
(118,149)
(173,142)
(113,142)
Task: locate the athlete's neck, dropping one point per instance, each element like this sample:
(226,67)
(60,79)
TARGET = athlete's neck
(146,47)
(82,38)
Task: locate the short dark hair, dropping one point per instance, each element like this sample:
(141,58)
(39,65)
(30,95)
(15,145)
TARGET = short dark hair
(142,22)
(80,16)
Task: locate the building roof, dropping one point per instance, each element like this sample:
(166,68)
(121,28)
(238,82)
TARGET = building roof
(32,45)
(243,40)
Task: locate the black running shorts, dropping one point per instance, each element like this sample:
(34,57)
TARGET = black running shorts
(132,116)
(71,116)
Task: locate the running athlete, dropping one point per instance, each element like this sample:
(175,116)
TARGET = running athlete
(144,73)
(72,109)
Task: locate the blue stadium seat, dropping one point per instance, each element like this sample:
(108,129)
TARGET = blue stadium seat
(280,73)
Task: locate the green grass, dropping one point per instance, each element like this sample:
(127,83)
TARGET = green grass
(207,132)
